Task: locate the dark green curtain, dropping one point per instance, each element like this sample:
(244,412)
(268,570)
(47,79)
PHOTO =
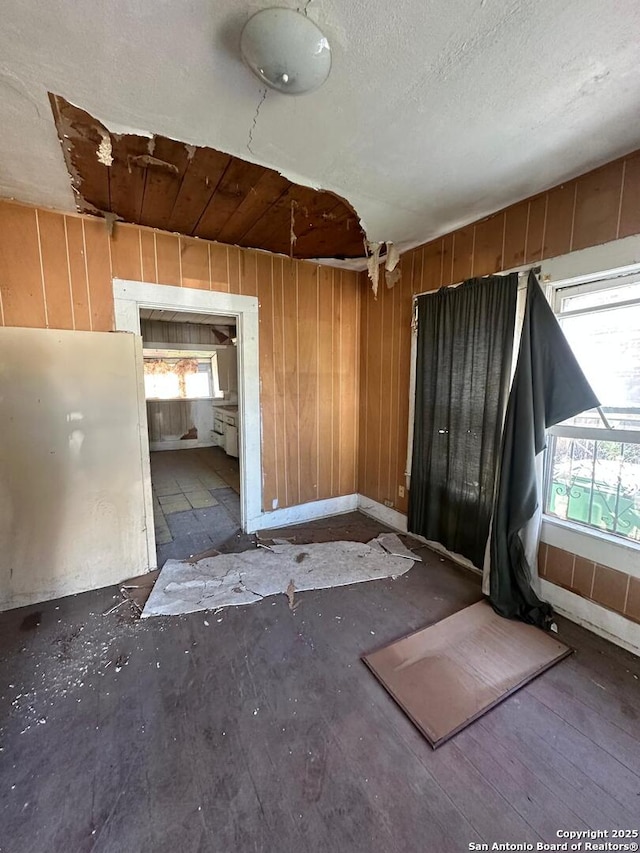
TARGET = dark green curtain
(463,368)
(548,387)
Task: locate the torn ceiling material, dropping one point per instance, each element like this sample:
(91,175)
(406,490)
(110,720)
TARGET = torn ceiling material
(391,261)
(248,577)
(200,192)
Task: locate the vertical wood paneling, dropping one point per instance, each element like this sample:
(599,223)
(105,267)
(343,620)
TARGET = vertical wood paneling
(446,259)
(559,226)
(219,266)
(267,383)
(233,273)
(283,434)
(329,322)
(55,269)
(308,383)
(346,373)
(194,263)
(535,228)
(487,256)
(148,255)
(336,381)
(597,206)
(630,202)
(168,259)
(403,392)
(392,446)
(463,254)
(125,252)
(431,268)
(248,271)
(373,414)
(386,376)
(99,277)
(363,372)
(418,270)
(20,271)
(78,273)
(291,379)
(515,235)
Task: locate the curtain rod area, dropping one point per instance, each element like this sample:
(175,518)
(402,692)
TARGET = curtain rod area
(523,272)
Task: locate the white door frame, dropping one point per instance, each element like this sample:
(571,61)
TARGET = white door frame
(129,297)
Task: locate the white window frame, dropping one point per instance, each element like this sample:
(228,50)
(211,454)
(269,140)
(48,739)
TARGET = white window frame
(556,292)
(597,263)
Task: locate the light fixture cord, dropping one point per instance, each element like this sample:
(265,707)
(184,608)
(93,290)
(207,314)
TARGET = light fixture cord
(255,119)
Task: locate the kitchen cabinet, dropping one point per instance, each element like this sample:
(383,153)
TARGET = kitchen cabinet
(225,429)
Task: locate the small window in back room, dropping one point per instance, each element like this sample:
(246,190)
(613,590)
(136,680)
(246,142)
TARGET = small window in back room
(178,378)
(593,472)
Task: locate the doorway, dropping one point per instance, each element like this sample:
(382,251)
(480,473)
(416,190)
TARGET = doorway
(193,423)
(199,410)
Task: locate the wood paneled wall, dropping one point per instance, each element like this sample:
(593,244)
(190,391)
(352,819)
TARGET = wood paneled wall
(598,207)
(56,272)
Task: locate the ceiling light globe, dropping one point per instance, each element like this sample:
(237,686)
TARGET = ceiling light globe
(286,50)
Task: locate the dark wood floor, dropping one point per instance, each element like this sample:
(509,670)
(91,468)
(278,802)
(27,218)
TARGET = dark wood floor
(259,729)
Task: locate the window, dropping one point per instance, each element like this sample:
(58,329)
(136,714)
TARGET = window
(178,378)
(592,472)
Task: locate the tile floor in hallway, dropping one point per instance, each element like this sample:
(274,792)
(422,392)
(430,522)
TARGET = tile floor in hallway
(196,501)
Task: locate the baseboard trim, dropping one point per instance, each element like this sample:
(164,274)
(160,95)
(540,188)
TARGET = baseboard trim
(387,515)
(397,520)
(303,512)
(605,623)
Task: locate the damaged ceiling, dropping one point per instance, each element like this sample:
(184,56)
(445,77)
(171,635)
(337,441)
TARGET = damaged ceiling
(200,192)
(433,115)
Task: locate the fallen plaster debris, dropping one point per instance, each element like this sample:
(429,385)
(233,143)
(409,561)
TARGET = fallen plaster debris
(392,543)
(234,579)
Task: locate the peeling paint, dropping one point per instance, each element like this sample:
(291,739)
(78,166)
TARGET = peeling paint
(391,260)
(105,152)
(391,269)
(373,264)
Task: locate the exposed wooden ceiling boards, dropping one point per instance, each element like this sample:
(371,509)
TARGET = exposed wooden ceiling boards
(167,316)
(200,192)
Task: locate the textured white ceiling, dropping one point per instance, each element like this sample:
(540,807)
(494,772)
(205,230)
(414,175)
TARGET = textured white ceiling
(435,113)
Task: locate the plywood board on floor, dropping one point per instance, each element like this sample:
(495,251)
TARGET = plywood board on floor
(447,675)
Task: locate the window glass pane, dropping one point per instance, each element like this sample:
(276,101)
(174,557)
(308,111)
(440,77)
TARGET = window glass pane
(161,386)
(596,298)
(197,384)
(596,483)
(177,379)
(607,346)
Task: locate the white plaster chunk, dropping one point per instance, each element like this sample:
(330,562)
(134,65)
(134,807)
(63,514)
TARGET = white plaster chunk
(392,543)
(234,579)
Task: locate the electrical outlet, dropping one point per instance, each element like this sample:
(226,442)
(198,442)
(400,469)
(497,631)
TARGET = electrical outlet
(388,503)
(400,491)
